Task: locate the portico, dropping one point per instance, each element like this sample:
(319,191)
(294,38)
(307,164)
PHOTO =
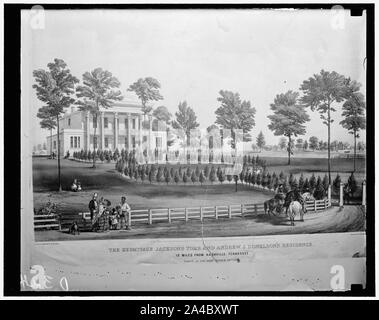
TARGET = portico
(118,127)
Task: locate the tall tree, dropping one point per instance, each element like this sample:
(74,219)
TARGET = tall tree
(55,87)
(97,92)
(147,89)
(163,116)
(320,92)
(261,142)
(288,118)
(234,114)
(354,112)
(186,120)
(313,143)
(47,122)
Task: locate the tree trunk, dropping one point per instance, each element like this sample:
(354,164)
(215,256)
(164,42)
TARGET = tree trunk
(51,142)
(94,146)
(188,148)
(355,147)
(289,150)
(167,132)
(330,180)
(59,157)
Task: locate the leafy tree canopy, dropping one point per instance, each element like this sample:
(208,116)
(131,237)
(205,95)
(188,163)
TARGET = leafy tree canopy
(235,114)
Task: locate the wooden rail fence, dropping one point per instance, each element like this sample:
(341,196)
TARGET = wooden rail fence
(149,216)
(45,221)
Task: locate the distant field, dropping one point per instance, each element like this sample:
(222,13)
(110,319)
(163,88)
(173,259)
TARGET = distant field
(318,166)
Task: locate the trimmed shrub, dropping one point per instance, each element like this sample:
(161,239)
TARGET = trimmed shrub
(176,177)
(194,177)
(221,176)
(212,175)
(312,182)
(337,183)
(352,184)
(202,178)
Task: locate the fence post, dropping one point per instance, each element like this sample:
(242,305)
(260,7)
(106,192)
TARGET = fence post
(329,195)
(325,204)
(169,215)
(150,217)
(315,206)
(201,213)
(256,209)
(364,193)
(242,211)
(186,214)
(230,212)
(129,218)
(341,194)
(216,212)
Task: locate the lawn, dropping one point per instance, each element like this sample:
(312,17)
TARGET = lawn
(111,185)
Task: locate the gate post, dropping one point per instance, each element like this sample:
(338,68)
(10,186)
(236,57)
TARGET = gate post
(364,193)
(329,195)
(150,217)
(341,194)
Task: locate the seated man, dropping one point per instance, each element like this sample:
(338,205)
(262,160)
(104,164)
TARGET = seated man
(79,186)
(74,186)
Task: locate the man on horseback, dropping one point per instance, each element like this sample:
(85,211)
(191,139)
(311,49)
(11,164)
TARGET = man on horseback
(294,195)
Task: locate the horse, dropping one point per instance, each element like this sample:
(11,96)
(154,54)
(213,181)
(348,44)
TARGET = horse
(294,208)
(275,203)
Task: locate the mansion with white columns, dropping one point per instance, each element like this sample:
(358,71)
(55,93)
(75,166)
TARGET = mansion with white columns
(119,126)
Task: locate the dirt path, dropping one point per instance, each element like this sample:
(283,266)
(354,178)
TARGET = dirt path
(350,218)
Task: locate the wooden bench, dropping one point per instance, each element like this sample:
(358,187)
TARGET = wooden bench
(83,219)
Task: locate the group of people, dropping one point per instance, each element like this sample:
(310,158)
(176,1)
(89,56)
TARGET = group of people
(105,218)
(76,186)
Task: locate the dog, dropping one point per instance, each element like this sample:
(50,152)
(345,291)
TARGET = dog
(74,229)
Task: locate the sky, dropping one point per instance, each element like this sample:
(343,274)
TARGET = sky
(196,53)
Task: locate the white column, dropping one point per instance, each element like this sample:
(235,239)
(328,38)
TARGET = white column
(115,131)
(150,129)
(102,130)
(341,194)
(364,193)
(88,132)
(140,131)
(129,138)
